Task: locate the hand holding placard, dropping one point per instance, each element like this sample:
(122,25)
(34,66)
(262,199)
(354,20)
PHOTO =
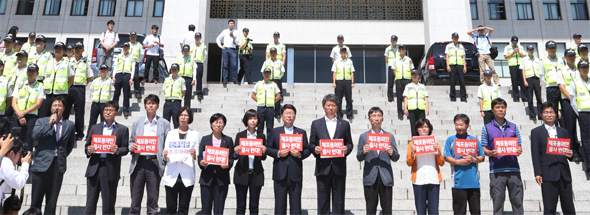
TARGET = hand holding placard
(424,145)
(465,146)
(216,155)
(506,146)
(378,142)
(102,143)
(557,146)
(331,148)
(291,142)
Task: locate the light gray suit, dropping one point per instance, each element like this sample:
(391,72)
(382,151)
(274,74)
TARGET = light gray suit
(137,130)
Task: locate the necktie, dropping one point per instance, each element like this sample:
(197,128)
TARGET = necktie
(57,131)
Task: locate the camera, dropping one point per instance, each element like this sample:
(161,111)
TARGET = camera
(5,122)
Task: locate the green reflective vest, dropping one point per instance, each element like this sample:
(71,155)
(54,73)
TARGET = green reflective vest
(135,50)
(275,67)
(265,95)
(101,90)
(29,48)
(575,48)
(343,69)
(245,51)
(20,76)
(186,66)
(456,54)
(488,96)
(3,94)
(80,71)
(279,48)
(41,60)
(403,68)
(582,95)
(392,55)
(125,63)
(9,63)
(551,70)
(515,59)
(27,98)
(531,67)
(416,97)
(567,78)
(56,82)
(198,52)
(173,88)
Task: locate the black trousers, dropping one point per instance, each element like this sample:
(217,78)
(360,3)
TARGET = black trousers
(178,197)
(569,118)
(26,132)
(463,196)
(554,96)
(413,116)
(99,184)
(242,193)
(344,89)
(199,79)
(77,98)
(171,108)
(534,86)
(279,83)
(376,193)
(554,190)
(188,95)
(265,116)
(137,80)
(122,81)
(488,117)
(46,185)
(244,69)
(457,73)
(400,85)
(517,82)
(145,175)
(215,200)
(286,187)
(331,186)
(95,111)
(45,109)
(390,83)
(151,61)
(584,122)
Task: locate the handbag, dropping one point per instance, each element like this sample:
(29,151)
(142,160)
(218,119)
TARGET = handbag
(493,49)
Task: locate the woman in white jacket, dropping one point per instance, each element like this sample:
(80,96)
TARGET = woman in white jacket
(180,152)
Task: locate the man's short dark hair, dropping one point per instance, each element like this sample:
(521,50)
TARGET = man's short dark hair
(191,27)
(32,211)
(17,145)
(188,111)
(153,98)
(497,101)
(249,114)
(461,116)
(374,109)
(155,27)
(421,122)
(215,117)
(112,104)
(61,99)
(288,106)
(546,105)
(110,22)
(329,97)
(231,20)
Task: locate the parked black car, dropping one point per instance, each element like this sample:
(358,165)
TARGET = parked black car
(433,66)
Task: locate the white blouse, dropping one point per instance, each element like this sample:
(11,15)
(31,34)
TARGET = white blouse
(178,165)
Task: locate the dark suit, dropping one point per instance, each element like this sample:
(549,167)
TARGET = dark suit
(50,161)
(555,170)
(103,174)
(330,172)
(214,180)
(287,172)
(245,180)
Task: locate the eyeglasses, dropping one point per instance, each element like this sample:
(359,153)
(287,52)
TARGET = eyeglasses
(109,110)
(549,112)
(184,115)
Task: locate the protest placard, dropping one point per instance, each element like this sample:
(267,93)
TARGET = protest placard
(378,142)
(424,144)
(216,155)
(291,142)
(102,143)
(331,148)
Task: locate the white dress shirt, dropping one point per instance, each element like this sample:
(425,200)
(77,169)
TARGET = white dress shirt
(188,38)
(335,54)
(150,129)
(552,130)
(107,131)
(226,39)
(109,37)
(180,166)
(150,40)
(12,179)
(331,125)
(251,157)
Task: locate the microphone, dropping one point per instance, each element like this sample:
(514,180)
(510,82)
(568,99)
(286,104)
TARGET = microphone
(53,122)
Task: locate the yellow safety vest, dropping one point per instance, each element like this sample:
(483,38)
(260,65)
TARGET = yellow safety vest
(456,54)
(575,48)
(198,52)
(19,77)
(135,50)
(80,71)
(343,69)
(392,55)
(173,88)
(275,67)
(245,51)
(101,92)
(551,70)
(124,63)
(3,94)
(488,96)
(41,61)
(416,97)
(9,63)
(531,67)
(403,68)
(29,48)
(582,94)
(56,82)
(26,98)
(265,96)
(515,59)
(567,78)
(279,48)
(186,66)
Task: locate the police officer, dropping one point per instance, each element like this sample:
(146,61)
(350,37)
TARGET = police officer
(582,53)
(27,98)
(174,91)
(564,80)
(335,54)
(8,56)
(102,89)
(455,53)
(245,50)
(30,46)
(69,52)
(187,70)
(40,56)
(529,67)
(266,93)
(77,93)
(391,53)
(59,76)
(343,82)
(17,46)
(577,42)
(278,69)
(548,67)
(580,97)
(487,92)
(403,67)
(415,101)
(135,49)
(20,71)
(199,53)
(280,47)
(514,53)
(123,76)
(4,92)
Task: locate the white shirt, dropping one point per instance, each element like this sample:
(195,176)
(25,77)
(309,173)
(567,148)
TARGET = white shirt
(150,129)
(174,80)
(335,54)
(56,65)
(552,130)
(426,169)
(109,37)
(89,72)
(561,81)
(101,82)
(188,38)
(13,179)
(180,165)
(331,126)
(250,157)
(149,40)
(225,38)
(416,87)
(489,88)
(195,66)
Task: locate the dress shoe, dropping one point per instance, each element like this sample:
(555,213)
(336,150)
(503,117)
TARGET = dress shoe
(515,100)
(350,117)
(236,82)
(400,117)
(200,97)
(390,99)
(453,99)
(126,113)
(464,100)
(225,82)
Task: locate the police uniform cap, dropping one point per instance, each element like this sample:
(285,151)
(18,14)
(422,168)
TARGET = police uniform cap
(550,44)
(569,52)
(186,48)
(273,49)
(22,53)
(582,64)
(33,66)
(174,66)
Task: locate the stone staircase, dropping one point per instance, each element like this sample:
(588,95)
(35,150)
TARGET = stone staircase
(234,100)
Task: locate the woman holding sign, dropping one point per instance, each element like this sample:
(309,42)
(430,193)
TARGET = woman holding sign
(180,153)
(249,173)
(214,160)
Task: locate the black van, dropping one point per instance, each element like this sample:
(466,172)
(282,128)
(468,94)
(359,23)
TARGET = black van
(433,66)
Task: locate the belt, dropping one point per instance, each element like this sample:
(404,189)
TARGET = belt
(74,85)
(148,157)
(173,100)
(103,159)
(250,171)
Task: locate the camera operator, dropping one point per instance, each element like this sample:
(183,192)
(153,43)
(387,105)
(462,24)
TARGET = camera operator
(5,146)
(12,178)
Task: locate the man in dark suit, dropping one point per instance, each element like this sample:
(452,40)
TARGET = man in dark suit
(330,172)
(288,164)
(56,139)
(552,172)
(103,172)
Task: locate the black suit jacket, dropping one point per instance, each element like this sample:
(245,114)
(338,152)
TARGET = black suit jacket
(113,161)
(551,167)
(288,166)
(215,172)
(320,131)
(243,166)
(47,146)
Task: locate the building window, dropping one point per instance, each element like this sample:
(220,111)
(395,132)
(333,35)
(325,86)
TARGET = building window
(106,8)
(25,7)
(52,7)
(3,7)
(579,9)
(49,44)
(159,8)
(79,8)
(535,53)
(524,9)
(473,6)
(551,8)
(134,8)
(73,41)
(497,9)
